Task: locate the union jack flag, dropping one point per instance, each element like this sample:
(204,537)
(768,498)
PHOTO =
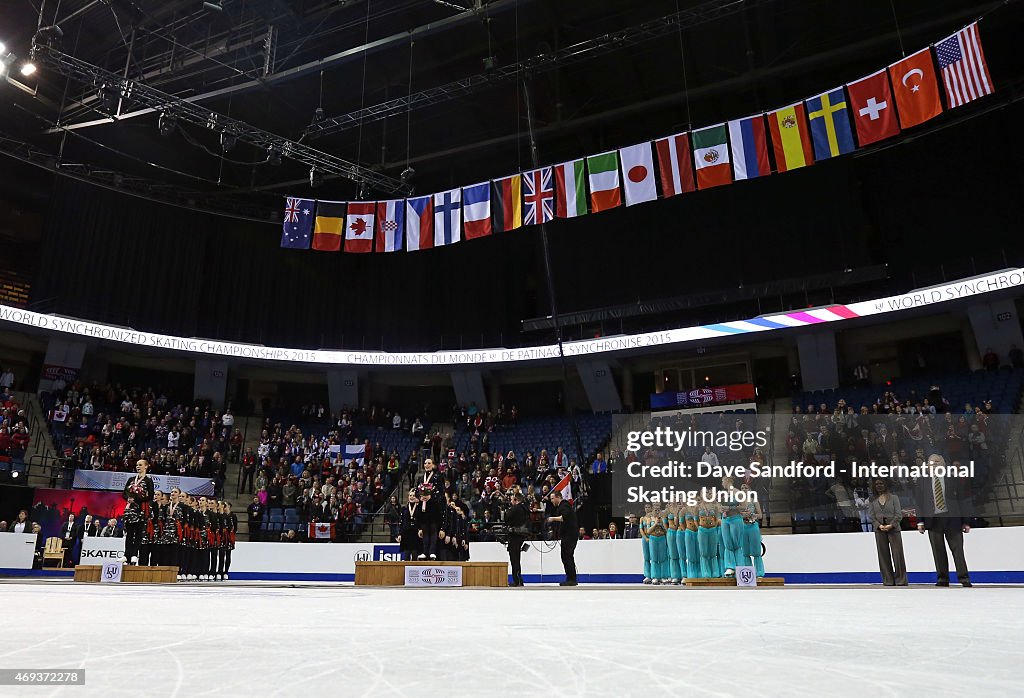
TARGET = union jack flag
(292,209)
(538,195)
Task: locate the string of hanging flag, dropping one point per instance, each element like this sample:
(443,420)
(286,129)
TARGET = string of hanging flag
(855,115)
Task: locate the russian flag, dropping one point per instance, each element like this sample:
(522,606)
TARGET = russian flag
(476,210)
(390,225)
(749,147)
(419,223)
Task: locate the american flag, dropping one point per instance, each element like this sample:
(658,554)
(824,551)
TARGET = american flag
(538,195)
(962,64)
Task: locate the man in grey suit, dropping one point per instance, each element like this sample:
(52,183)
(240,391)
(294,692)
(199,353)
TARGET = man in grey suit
(943,510)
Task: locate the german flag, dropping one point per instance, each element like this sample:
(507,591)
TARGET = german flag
(507,203)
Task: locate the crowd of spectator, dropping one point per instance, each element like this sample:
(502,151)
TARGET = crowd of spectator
(893,429)
(110,427)
(14,432)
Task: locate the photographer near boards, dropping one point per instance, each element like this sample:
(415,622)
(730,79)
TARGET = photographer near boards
(516,520)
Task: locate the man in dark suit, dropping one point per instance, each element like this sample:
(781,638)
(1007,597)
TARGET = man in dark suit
(565,516)
(942,508)
(517,519)
(632,529)
(71,534)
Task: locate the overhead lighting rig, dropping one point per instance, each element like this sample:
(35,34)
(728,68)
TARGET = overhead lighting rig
(45,54)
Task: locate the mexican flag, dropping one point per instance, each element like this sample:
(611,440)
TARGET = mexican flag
(605,192)
(711,156)
(321,531)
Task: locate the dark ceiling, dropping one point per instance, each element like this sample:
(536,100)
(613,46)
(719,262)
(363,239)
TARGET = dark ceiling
(732,58)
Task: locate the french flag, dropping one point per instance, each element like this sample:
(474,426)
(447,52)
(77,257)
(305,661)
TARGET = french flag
(419,223)
(476,210)
(749,147)
(390,225)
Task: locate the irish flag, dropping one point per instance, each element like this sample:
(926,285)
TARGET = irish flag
(321,531)
(711,157)
(604,181)
(570,190)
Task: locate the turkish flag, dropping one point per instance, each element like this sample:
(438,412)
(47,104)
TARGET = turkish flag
(915,88)
(874,111)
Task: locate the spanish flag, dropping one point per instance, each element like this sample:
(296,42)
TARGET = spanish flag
(791,139)
(330,222)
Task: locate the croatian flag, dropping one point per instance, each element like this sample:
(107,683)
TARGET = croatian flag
(447,217)
(355,452)
(749,147)
(390,225)
(476,210)
(419,223)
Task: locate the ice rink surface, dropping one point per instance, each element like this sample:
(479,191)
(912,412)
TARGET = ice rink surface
(263,640)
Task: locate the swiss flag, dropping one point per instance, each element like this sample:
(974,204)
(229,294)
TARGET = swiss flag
(359,227)
(874,111)
(915,88)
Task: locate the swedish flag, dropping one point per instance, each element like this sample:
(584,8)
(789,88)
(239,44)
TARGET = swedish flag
(829,116)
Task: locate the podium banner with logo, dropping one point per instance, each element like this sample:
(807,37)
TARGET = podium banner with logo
(106,480)
(417,576)
(96,550)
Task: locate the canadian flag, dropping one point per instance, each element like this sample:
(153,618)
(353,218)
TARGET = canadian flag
(565,487)
(323,531)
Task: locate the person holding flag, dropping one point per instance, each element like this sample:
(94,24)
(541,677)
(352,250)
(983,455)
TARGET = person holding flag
(565,515)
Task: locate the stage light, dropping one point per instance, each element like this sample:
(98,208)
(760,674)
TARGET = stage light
(407,174)
(318,115)
(213,6)
(166,125)
(28,68)
(316,177)
(227,141)
(107,98)
(364,192)
(274,156)
(3,47)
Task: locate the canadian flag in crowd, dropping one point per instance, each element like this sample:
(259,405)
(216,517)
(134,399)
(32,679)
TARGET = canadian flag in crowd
(565,487)
(324,531)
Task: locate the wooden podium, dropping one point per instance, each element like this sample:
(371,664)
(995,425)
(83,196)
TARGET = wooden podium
(132,574)
(731,582)
(392,574)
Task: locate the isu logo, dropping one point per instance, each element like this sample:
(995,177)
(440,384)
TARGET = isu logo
(711,157)
(789,122)
(702,396)
(433,575)
(361,556)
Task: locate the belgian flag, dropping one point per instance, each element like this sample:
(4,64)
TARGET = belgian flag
(330,222)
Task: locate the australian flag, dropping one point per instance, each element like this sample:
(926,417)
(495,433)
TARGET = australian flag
(297,232)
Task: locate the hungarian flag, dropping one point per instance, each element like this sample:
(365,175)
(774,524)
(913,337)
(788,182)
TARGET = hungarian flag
(675,164)
(565,487)
(419,223)
(638,173)
(604,181)
(749,143)
(790,139)
(476,210)
(390,225)
(915,88)
(507,203)
(330,219)
(570,189)
(711,156)
(321,531)
(871,104)
(298,223)
(830,124)
(359,226)
(963,67)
